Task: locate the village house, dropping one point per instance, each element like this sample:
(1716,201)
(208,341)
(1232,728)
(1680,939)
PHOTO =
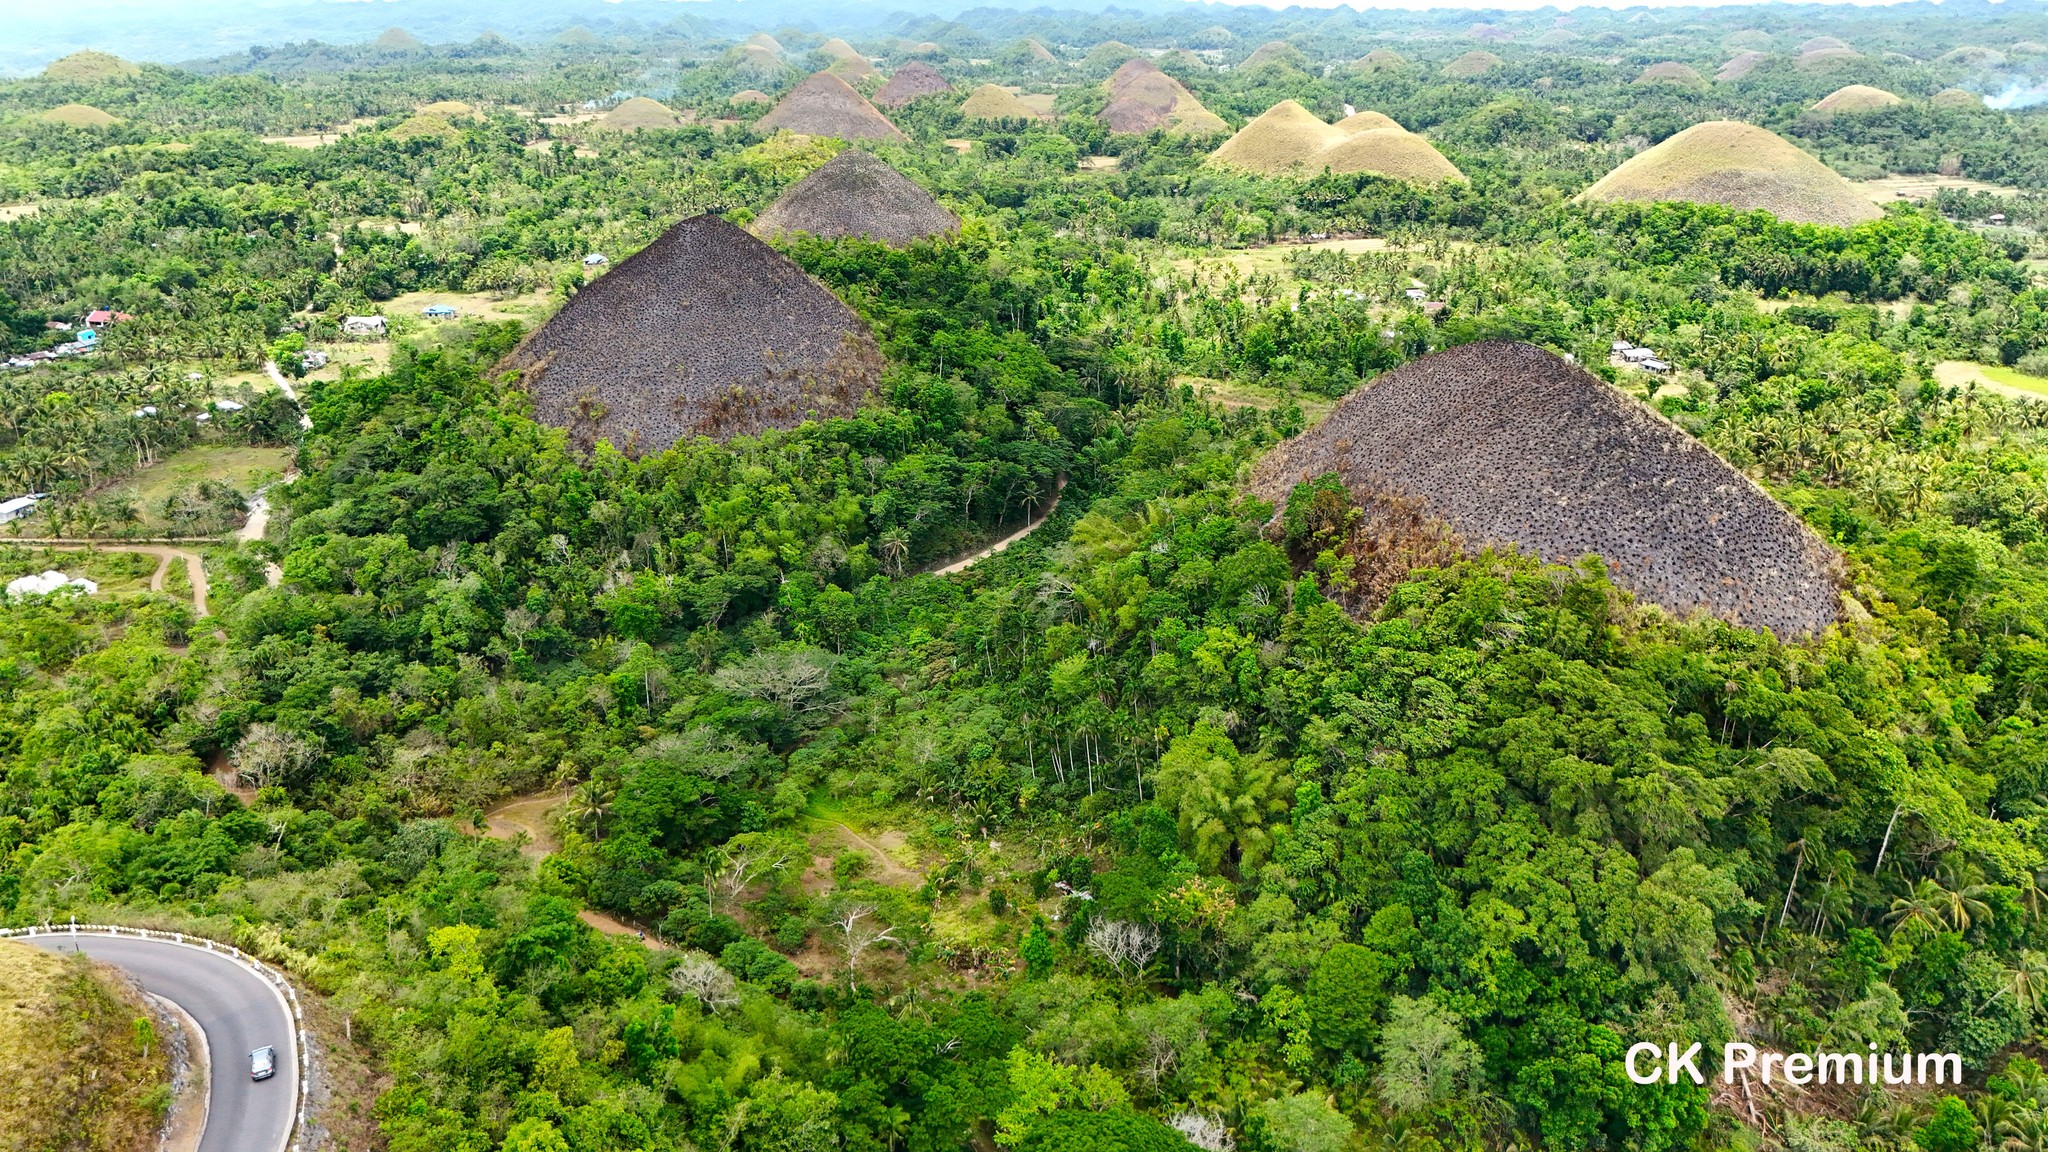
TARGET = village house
(362,326)
(101,319)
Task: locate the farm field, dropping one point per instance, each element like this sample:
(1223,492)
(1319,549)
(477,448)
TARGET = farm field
(245,468)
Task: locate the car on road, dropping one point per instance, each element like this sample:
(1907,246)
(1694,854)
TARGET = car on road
(263,1063)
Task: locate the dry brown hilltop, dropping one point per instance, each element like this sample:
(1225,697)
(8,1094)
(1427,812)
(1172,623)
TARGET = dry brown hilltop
(1740,166)
(1509,444)
(705,332)
(855,194)
(825,105)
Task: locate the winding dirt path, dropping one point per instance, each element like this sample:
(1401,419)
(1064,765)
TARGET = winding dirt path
(962,564)
(195,567)
(888,869)
(527,816)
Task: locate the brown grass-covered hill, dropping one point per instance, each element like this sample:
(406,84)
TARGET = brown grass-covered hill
(75,1078)
(397,40)
(705,332)
(1144,99)
(911,81)
(639,112)
(1670,72)
(1856,98)
(752,96)
(825,105)
(1472,64)
(79,116)
(1489,34)
(426,125)
(1380,60)
(1741,64)
(764,42)
(1039,53)
(89,68)
(1825,58)
(1957,98)
(1288,139)
(1393,152)
(1276,52)
(1741,166)
(1506,443)
(847,61)
(856,194)
(994,102)
(1820,44)
(448,108)
(1972,56)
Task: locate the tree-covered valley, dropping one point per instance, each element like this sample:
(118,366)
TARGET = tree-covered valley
(738,795)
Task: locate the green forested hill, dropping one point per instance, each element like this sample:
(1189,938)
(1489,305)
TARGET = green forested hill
(1187,819)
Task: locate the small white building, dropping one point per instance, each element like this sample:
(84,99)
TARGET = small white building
(1638,355)
(228,405)
(19,507)
(313,361)
(596,260)
(362,325)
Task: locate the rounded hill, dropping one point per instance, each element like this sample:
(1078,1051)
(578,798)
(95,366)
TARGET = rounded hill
(1392,152)
(1144,99)
(1739,65)
(1957,98)
(825,105)
(1472,64)
(911,81)
(1669,72)
(79,116)
(1284,138)
(1856,98)
(640,112)
(90,68)
(1380,60)
(1739,166)
(994,102)
(705,332)
(1509,444)
(856,194)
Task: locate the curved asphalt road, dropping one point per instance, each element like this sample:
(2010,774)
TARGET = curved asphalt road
(238,1010)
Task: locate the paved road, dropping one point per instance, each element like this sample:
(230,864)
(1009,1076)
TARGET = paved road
(238,1010)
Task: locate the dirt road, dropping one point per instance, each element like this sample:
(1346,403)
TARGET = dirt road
(962,564)
(195,567)
(527,814)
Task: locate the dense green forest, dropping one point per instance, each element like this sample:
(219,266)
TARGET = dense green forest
(1187,820)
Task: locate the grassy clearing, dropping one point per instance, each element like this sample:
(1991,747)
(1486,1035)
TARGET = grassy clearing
(1893,188)
(530,308)
(244,467)
(12,212)
(1272,258)
(372,358)
(1241,394)
(1992,377)
(77,1078)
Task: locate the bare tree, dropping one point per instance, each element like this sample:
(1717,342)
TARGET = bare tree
(1124,945)
(1205,1132)
(791,678)
(268,754)
(860,930)
(739,867)
(699,976)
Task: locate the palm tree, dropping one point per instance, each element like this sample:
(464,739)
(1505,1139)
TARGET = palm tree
(1920,909)
(896,549)
(590,803)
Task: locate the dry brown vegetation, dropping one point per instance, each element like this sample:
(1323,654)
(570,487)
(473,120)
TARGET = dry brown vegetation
(705,332)
(1379,59)
(1669,72)
(914,79)
(1740,65)
(425,125)
(1508,444)
(76,1079)
(1472,64)
(90,68)
(1143,99)
(1825,58)
(79,116)
(448,108)
(994,102)
(1957,98)
(825,105)
(1856,98)
(856,194)
(1740,166)
(1275,52)
(640,112)
(1289,139)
